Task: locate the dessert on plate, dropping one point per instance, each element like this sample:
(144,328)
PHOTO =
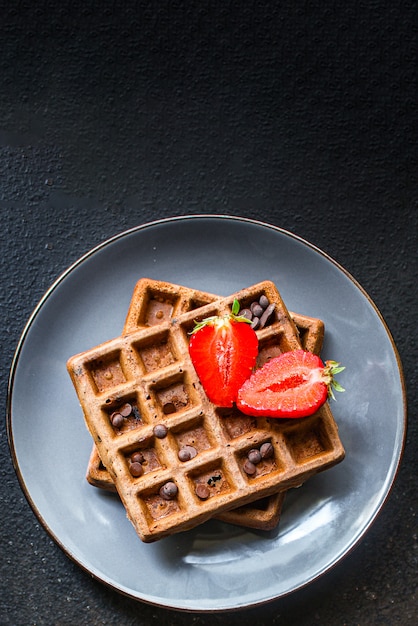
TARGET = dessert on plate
(175,458)
(263,514)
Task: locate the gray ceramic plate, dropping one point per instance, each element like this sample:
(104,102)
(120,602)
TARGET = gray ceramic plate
(201,570)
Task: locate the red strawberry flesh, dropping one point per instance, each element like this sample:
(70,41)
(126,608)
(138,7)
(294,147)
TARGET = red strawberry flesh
(290,385)
(223,354)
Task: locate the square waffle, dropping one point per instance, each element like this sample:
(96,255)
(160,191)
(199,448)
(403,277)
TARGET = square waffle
(263,514)
(145,377)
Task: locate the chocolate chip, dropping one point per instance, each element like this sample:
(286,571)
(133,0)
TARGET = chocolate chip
(254,456)
(126,410)
(246,313)
(169,491)
(266,450)
(117,419)
(136,469)
(160,431)
(249,468)
(169,407)
(137,457)
(202,491)
(265,318)
(186,453)
(255,323)
(256,309)
(263,301)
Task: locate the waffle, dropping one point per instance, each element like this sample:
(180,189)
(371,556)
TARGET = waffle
(263,514)
(141,398)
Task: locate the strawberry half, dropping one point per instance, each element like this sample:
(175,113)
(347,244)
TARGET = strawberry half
(223,351)
(294,384)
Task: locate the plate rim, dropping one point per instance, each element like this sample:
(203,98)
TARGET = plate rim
(78,262)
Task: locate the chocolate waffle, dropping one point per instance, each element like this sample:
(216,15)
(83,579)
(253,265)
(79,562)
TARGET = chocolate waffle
(142,402)
(265,513)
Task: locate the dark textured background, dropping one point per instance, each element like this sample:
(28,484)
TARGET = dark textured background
(302,114)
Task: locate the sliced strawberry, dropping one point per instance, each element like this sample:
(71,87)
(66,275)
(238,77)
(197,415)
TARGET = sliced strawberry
(223,351)
(294,384)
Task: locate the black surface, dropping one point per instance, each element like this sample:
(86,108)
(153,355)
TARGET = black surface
(301,114)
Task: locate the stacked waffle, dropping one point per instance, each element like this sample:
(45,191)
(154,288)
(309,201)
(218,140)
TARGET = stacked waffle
(174,458)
